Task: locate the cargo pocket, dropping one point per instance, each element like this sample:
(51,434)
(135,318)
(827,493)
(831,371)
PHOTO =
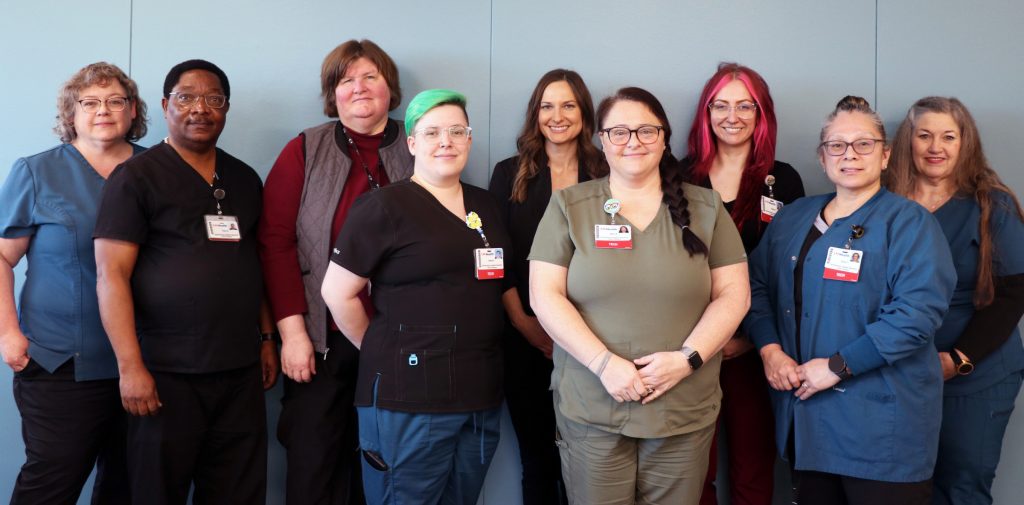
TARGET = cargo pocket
(424,367)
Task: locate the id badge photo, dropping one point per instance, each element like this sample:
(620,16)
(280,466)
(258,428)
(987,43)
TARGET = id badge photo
(490,263)
(843,264)
(613,236)
(220,228)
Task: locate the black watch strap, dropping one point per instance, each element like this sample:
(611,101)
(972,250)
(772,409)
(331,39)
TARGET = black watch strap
(963,366)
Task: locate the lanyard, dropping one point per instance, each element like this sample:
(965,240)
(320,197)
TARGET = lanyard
(355,149)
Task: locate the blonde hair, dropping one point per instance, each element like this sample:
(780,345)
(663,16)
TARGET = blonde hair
(97,74)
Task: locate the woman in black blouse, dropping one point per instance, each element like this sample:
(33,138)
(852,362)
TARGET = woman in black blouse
(732,150)
(555,150)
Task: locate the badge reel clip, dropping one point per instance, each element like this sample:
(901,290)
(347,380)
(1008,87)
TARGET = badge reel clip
(489,262)
(613,236)
(769,205)
(843,264)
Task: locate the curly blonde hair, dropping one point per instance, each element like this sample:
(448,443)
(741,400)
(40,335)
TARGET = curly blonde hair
(99,73)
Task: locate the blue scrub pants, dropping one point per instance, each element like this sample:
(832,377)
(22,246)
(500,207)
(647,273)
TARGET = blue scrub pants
(971,441)
(431,458)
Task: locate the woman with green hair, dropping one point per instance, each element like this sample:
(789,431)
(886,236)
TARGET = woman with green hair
(433,249)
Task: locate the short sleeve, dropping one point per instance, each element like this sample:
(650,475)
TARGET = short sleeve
(1007,236)
(726,247)
(552,243)
(122,215)
(366,238)
(19,199)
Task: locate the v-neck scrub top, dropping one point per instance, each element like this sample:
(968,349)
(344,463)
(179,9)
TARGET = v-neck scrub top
(434,342)
(197,301)
(639,301)
(52,197)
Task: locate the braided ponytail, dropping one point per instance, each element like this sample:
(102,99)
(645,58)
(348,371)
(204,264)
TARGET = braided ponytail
(678,207)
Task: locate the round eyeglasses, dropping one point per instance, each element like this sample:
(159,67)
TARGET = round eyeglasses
(619,135)
(186,100)
(114,104)
(862,147)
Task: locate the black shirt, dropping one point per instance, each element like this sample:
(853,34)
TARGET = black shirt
(196,301)
(523,218)
(433,344)
(788,187)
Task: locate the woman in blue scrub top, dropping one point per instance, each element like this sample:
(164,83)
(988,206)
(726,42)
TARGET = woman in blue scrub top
(938,162)
(65,375)
(847,345)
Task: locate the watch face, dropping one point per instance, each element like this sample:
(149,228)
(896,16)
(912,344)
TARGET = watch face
(836,364)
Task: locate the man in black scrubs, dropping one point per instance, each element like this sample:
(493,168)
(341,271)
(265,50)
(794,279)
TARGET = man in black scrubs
(180,288)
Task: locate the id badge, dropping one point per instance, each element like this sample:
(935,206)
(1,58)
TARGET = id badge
(769,207)
(613,236)
(490,263)
(222,228)
(843,264)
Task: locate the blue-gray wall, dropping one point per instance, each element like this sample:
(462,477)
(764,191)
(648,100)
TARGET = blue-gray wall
(812,52)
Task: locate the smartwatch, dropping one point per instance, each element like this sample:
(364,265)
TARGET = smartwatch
(963,366)
(837,364)
(692,357)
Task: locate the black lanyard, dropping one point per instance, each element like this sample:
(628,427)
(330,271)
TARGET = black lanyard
(355,149)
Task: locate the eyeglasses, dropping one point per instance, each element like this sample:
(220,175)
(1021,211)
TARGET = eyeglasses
(114,104)
(619,135)
(186,100)
(863,147)
(458,134)
(744,110)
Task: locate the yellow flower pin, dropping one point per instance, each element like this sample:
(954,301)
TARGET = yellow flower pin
(473,221)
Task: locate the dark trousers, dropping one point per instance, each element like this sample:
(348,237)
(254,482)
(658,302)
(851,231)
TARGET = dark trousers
(530,405)
(818,488)
(971,441)
(318,429)
(68,427)
(211,432)
(749,425)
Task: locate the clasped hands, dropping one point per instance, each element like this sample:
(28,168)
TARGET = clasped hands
(784,374)
(644,379)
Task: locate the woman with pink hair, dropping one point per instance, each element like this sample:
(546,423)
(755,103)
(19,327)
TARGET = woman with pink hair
(732,150)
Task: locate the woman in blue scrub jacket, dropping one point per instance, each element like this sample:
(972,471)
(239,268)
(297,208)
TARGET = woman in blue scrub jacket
(847,345)
(938,162)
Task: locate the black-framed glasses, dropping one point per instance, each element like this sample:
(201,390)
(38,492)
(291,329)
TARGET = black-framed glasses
(457,133)
(185,100)
(114,104)
(619,135)
(862,147)
(744,110)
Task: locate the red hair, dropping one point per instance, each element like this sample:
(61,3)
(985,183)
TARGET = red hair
(703,145)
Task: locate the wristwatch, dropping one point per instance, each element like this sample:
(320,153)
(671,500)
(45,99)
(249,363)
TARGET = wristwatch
(267,336)
(963,366)
(692,357)
(837,365)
